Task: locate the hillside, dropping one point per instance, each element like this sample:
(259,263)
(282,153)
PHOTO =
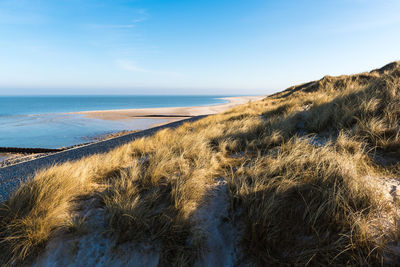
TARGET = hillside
(306,176)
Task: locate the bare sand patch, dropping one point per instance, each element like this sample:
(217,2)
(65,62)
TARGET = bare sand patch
(171,114)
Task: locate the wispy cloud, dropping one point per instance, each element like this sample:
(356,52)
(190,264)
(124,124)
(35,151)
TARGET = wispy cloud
(111,26)
(20,13)
(137,16)
(367,25)
(128,65)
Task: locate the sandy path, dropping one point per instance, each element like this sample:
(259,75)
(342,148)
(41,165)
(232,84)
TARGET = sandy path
(174,113)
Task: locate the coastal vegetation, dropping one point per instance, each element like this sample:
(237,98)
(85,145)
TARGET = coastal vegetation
(309,175)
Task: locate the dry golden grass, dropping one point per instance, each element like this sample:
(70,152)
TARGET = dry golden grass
(306,170)
(306,204)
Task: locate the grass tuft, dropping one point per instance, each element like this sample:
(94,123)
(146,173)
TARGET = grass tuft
(312,174)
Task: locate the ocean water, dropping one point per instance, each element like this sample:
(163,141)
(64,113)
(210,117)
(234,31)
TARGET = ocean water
(40,121)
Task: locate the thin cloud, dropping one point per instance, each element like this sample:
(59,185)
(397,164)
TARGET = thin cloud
(128,65)
(19,13)
(111,26)
(368,25)
(129,25)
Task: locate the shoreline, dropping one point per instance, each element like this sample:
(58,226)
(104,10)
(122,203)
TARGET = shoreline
(10,174)
(168,113)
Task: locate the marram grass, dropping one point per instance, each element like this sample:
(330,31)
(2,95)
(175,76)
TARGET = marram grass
(306,171)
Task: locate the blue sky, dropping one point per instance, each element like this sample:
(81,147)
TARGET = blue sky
(189,47)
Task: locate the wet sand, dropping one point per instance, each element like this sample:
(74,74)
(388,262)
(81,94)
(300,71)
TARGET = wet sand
(171,114)
(3,156)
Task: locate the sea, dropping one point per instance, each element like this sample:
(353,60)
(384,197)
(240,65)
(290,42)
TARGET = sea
(44,122)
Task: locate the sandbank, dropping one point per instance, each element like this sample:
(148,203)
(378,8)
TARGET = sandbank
(170,113)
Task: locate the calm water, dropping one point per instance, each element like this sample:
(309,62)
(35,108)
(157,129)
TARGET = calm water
(38,121)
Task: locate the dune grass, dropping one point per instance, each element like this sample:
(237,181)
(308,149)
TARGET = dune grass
(307,172)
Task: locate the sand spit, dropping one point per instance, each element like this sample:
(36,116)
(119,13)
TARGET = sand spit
(172,114)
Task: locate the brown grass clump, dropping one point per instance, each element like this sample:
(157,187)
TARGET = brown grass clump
(305,204)
(44,203)
(312,175)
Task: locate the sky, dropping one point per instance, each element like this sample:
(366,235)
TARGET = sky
(226,47)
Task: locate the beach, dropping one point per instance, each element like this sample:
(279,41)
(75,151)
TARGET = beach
(169,113)
(59,121)
(3,156)
(139,119)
